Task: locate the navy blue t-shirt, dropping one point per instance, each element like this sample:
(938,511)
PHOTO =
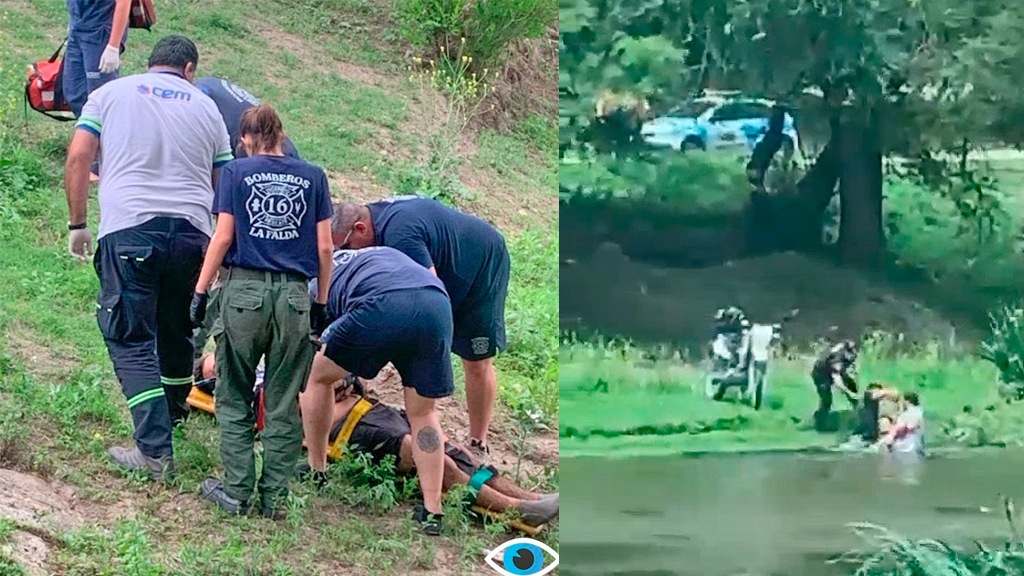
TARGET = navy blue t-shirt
(360,275)
(232,100)
(92,20)
(277,202)
(464,250)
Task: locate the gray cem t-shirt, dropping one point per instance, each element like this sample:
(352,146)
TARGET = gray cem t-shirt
(160,139)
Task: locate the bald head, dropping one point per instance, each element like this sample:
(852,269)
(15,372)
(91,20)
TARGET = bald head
(352,226)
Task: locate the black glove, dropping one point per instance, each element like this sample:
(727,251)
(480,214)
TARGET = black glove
(197,311)
(317,318)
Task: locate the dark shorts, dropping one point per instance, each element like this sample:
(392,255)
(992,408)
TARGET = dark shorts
(380,433)
(480,320)
(412,329)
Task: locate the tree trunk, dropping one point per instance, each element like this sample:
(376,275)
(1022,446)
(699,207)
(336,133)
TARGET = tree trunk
(765,149)
(861,233)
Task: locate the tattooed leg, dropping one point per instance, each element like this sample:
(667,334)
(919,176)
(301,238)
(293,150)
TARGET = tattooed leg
(426,449)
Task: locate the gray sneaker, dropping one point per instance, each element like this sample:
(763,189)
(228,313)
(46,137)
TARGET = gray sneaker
(133,459)
(480,451)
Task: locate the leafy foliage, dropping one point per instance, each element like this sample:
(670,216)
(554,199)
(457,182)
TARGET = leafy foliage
(1005,348)
(938,72)
(487,28)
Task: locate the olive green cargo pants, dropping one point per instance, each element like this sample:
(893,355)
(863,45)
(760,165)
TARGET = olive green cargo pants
(262,314)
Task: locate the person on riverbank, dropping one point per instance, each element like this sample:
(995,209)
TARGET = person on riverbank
(833,369)
(273,236)
(162,144)
(869,415)
(471,259)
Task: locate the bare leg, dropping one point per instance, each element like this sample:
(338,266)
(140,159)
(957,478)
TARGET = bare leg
(427,448)
(481,392)
(502,485)
(317,404)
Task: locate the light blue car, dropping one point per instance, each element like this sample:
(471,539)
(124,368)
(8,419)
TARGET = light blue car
(713,123)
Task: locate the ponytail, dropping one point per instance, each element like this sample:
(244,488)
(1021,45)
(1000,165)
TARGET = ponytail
(263,125)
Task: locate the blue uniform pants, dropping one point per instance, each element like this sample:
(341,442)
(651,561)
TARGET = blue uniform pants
(82,74)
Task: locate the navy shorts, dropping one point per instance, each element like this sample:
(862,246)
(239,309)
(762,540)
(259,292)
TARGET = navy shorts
(480,320)
(412,329)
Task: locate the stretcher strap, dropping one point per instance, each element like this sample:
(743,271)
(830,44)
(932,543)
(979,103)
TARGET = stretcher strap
(356,414)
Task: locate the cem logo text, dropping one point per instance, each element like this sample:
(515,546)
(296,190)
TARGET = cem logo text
(165,93)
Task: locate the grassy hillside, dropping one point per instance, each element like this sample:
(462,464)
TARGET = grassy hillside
(340,75)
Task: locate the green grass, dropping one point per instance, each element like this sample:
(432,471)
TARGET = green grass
(620,400)
(62,408)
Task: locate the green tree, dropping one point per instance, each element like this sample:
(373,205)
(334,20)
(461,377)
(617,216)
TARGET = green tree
(905,77)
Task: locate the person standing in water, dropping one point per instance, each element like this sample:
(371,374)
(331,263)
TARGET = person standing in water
(907,435)
(273,235)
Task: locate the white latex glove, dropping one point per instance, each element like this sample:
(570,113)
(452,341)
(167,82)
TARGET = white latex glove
(80,244)
(110,61)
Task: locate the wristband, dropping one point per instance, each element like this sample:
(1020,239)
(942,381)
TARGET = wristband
(77,226)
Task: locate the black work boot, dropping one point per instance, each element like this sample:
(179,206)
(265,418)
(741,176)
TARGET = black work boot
(431,523)
(306,473)
(159,469)
(537,512)
(213,490)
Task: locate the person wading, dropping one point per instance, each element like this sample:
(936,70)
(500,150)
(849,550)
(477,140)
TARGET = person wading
(273,235)
(163,143)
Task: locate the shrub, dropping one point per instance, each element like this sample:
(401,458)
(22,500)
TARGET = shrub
(488,27)
(1005,348)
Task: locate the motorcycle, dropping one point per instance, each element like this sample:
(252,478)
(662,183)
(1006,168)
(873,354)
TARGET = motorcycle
(741,360)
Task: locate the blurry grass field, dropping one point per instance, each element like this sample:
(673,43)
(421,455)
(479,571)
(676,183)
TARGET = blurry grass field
(336,73)
(617,400)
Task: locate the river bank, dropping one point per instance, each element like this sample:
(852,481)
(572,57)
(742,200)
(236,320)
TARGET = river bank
(619,401)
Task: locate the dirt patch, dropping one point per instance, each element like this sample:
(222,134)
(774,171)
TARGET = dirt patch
(649,303)
(309,55)
(37,356)
(355,187)
(526,85)
(40,510)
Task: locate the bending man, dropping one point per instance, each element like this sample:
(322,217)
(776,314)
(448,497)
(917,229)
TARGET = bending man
(386,308)
(470,257)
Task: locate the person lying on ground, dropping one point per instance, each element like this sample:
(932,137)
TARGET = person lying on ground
(833,370)
(471,258)
(232,101)
(869,417)
(385,431)
(273,236)
(907,434)
(384,307)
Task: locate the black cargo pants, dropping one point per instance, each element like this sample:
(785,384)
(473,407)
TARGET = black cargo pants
(147,275)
